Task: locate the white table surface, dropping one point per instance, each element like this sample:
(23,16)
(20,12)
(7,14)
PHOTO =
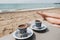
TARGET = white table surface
(53,33)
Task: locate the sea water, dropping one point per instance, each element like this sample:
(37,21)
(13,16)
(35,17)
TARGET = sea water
(28,5)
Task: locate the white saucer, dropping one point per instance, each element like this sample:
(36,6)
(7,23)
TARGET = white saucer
(36,28)
(30,31)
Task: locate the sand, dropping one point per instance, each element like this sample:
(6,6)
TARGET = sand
(9,21)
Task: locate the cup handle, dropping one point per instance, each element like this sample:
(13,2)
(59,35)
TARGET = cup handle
(28,24)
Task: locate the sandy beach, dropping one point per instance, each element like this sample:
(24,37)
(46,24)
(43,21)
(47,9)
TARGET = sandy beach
(9,21)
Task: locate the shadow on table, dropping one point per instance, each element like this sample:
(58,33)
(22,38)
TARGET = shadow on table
(43,31)
(33,37)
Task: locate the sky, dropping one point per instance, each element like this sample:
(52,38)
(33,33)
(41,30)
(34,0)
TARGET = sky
(29,1)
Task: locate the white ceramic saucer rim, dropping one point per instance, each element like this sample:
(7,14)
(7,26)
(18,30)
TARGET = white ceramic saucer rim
(38,29)
(23,37)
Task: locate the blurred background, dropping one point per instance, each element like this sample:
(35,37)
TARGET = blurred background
(27,4)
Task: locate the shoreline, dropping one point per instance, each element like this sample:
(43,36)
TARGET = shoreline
(22,10)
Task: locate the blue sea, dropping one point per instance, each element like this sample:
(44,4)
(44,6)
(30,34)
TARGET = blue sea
(28,5)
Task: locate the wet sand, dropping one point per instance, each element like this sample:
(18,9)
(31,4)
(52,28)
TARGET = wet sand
(9,21)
